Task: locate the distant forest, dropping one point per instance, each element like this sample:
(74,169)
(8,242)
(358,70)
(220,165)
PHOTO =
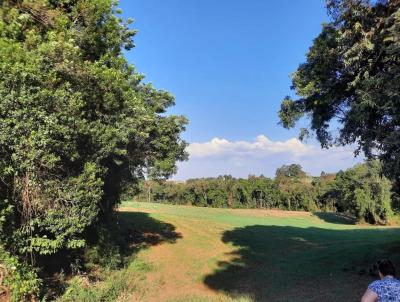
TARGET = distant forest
(361,191)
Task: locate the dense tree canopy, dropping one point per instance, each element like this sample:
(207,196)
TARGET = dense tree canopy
(290,171)
(362,192)
(76,122)
(351,78)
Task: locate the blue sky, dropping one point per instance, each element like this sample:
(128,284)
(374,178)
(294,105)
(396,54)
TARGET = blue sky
(228,63)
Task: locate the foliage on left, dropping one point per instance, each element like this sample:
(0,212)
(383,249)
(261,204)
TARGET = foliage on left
(76,123)
(17,277)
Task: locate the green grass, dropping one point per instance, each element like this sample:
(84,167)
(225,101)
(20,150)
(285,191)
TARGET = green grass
(210,255)
(115,285)
(267,258)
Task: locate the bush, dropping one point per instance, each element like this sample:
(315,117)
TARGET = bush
(108,290)
(19,278)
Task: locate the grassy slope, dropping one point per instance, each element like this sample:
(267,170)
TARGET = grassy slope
(254,255)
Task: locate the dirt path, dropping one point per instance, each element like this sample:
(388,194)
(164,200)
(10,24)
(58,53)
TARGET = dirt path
(175,276)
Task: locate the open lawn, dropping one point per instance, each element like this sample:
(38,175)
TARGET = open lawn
(205,254)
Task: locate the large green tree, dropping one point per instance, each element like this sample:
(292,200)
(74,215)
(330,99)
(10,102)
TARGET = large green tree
(351,80)
(76,122)
(363,192)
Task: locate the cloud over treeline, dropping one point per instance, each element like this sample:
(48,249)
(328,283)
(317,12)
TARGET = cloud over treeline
(261,156)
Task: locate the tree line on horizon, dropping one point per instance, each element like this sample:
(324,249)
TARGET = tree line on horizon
(361,191)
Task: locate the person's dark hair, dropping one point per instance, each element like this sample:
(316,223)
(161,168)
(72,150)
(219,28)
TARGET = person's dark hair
(386,267)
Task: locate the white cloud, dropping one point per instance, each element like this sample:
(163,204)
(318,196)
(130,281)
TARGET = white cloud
(261,156)
(261,147)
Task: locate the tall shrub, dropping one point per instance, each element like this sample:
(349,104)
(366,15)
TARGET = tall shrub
(76,122)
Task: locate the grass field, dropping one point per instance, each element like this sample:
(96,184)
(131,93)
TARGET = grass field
(204,254)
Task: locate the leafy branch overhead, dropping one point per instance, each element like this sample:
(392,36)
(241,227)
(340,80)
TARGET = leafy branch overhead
(351,79)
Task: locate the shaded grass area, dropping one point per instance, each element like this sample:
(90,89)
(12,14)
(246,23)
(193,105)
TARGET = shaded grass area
(285,263)
(138,231)
(142,231)
(339,218)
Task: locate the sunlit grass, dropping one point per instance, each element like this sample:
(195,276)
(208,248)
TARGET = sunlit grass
(249,255)
(270,254)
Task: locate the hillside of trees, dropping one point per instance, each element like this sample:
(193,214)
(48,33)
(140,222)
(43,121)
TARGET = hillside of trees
(361,191)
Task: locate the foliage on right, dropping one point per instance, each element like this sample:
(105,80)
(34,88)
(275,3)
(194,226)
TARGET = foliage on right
(363,192)
(351,78)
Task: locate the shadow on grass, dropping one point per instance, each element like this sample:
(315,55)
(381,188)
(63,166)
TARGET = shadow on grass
(114,246)
(339,218)
(282,263)
(141,231)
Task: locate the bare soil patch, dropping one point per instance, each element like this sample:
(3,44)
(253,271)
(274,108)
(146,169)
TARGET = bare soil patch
(178,268)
